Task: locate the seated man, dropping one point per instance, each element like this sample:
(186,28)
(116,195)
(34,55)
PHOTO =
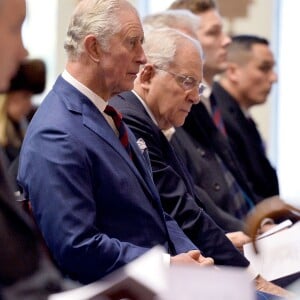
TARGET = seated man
(164,92)
(92,193)
(246,82)
(219,204)
(201,141)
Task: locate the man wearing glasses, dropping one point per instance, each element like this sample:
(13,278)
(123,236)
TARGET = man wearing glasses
(164,91)
(187,82)
(166,88)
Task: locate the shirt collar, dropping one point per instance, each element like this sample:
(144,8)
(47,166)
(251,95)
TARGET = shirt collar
(97,100)
(246,112)
(205,96)
(168,132)
(146,107)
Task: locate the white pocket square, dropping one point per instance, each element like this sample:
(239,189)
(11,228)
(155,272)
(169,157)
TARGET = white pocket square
(141,144)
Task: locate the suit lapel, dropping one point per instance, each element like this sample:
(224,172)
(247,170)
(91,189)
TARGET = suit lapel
(140,160)
(130,97)
(93,119)
(201,126)
(167,147)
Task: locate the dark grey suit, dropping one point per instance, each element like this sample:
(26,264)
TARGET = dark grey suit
(208,175)
(198,142)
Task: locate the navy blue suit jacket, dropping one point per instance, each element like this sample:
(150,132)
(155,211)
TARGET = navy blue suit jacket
(97,210)
(175,186)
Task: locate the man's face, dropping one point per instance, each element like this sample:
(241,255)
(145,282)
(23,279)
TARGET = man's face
(12,52)
(214,41)
(255,78)
(169,102)
(121,64)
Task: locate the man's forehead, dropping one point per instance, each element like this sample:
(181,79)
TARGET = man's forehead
(131,23)
(210,18)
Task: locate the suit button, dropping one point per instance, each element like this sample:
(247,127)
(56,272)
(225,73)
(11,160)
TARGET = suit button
(217,187)
(201,152)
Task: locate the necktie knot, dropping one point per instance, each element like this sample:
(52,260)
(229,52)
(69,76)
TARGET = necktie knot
(112,112)
(117,118)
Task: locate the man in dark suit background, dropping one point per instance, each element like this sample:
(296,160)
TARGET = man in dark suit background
(246,82)
(95,203)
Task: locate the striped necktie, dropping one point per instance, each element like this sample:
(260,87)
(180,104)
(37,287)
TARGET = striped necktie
(117,118)
(216,115)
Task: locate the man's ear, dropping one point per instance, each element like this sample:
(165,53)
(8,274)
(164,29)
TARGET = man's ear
(147,73)
(232,71)
(92,48)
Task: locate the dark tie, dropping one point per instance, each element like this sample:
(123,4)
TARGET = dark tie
(117,118)
(216,115)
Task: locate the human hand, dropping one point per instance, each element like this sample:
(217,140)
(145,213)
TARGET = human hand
(238,239)
(265,228)
(192,257)
(263,285)
(202,260)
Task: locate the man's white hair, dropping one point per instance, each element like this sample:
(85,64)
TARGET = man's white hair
(97,17)
(161,45)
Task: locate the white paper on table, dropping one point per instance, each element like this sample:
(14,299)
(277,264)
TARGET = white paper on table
(279,253)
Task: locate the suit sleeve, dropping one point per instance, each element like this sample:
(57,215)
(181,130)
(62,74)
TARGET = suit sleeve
(180,204)
(66,195)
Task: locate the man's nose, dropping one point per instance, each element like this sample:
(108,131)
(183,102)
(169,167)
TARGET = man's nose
(194,95)
(142,59)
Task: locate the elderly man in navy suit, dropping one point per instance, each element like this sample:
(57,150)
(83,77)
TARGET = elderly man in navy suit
(95,203)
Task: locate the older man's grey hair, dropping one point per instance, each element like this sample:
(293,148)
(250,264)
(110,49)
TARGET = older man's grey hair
(97,17)
(161,46)
(180,19)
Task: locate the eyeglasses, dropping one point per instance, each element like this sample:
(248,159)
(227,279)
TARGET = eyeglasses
(186,82)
